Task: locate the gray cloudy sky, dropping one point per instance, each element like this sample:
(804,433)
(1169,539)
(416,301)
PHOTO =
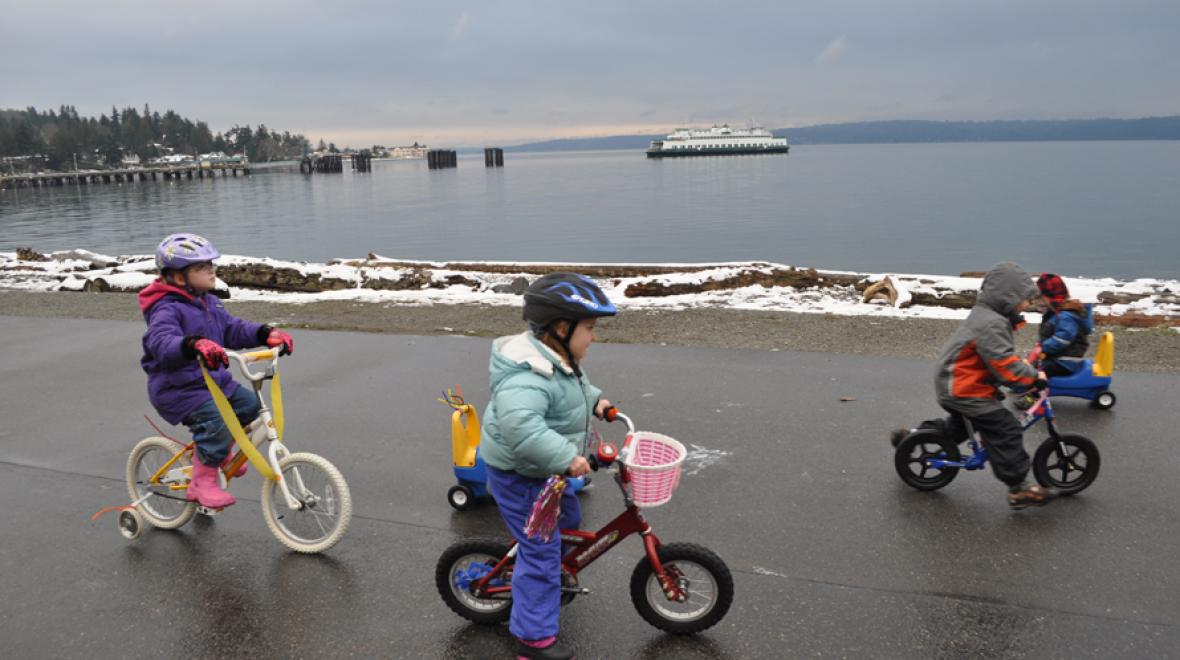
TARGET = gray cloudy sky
(475,73)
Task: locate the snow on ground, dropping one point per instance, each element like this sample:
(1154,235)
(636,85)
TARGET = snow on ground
(368,280)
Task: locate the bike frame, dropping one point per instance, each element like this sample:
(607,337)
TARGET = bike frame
(262,429)
(589,546)
(1042,409)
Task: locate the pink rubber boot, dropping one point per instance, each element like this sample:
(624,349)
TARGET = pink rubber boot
(205,490)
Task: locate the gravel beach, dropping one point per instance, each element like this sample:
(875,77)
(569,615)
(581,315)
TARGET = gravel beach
(1150,350)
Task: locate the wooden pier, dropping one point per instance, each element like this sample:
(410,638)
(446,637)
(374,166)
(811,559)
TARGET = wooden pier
(163,172)
(438,159)
(493,157)
(325,164)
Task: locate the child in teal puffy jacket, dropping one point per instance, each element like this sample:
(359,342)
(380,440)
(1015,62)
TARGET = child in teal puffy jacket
(536,425)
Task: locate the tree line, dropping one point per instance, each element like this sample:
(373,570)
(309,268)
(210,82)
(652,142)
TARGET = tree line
(32,138)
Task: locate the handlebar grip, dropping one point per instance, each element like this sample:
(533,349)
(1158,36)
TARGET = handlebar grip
(610,414)
(258,356)
(593,463)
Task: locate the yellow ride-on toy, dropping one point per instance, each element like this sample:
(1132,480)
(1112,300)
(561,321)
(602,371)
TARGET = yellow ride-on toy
(469,467)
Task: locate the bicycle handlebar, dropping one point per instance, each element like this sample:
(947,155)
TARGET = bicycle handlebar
(612,413)
(243,359)
(607,453)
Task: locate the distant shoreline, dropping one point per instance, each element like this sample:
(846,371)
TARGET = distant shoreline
(759,286)
(919,132)
(1155,350)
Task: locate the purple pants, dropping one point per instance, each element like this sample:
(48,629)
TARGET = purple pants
(536,577)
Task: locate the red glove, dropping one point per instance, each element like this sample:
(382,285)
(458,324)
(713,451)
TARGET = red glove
(211,352)
(279,338)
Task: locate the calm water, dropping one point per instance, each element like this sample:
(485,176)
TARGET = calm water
(1080,208)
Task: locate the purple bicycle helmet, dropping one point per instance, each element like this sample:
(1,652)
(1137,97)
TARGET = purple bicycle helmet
(179,251)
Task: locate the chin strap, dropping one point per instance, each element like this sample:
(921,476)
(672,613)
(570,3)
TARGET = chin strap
(565,344)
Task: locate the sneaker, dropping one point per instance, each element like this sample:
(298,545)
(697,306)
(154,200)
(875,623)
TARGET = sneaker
(554,651)
(897,436)
(1025,496)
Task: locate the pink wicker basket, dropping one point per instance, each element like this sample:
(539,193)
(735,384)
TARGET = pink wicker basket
(654,464)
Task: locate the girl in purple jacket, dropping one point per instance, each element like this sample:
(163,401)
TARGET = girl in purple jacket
(185,322)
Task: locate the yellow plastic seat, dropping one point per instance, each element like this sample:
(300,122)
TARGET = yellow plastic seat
(1104,357)
(464,435)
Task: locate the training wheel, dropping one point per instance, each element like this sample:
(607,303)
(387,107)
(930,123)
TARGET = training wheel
(460,497)
(1105,400)
(130,524)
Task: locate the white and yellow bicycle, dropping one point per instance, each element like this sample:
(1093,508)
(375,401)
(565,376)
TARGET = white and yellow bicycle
(305,500)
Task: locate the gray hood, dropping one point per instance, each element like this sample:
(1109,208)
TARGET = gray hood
(1004,286)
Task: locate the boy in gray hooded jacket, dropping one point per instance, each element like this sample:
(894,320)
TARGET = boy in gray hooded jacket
(975,361)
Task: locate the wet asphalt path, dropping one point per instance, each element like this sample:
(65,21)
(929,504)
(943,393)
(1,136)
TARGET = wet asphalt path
(832,555)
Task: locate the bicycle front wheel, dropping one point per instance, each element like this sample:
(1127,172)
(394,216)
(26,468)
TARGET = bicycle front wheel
(1068,463)
(167,509)
(700,573)
(325,506)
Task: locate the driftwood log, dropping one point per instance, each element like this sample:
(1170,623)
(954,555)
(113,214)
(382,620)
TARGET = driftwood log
(883,290)
(793,277)
(266,276)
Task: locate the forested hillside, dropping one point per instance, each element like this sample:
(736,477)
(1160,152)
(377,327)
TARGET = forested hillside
(53,139)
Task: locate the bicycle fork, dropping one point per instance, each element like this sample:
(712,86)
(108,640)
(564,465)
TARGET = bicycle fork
(674,585)
(276,452)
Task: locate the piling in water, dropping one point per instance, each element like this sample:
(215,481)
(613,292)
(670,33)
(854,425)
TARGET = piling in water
(437,159)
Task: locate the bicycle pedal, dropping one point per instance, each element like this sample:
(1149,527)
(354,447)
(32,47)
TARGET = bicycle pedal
(204,510)
(575,590)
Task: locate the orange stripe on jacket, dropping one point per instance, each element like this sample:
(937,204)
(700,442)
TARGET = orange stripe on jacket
(1001,366)
(970,378)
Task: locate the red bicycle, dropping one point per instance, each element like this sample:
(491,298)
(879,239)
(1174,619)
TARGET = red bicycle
(680,588)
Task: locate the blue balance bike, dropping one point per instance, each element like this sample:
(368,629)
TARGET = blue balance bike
(470,470)
(1092,379)
(928,460)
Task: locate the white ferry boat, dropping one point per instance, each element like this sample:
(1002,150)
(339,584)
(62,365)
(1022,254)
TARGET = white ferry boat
(717,141)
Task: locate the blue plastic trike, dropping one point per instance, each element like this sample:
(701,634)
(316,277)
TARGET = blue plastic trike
(1092,379)
(470,470)
(928,460)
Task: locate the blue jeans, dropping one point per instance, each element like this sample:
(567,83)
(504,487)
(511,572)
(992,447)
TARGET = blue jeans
(209,432)
(536,577)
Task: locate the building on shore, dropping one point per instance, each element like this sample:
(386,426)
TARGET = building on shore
(413,151)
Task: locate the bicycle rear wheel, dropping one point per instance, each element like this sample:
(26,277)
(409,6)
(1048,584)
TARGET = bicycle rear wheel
(325,505)
(468,561)
(168,509)
(912,456)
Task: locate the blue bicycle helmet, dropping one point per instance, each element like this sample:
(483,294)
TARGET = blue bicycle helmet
(180,251)
(565,296)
